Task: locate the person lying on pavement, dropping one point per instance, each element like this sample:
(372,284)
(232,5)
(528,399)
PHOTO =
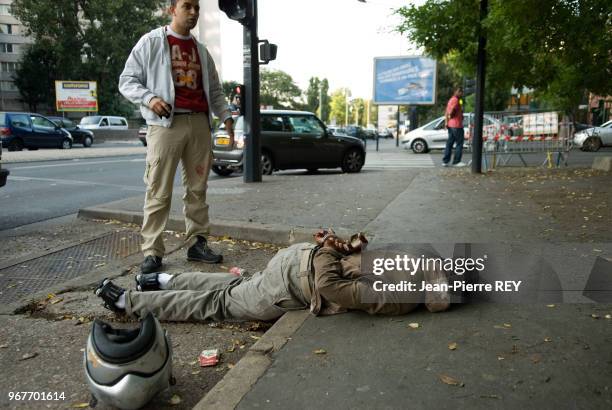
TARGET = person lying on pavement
(324,277)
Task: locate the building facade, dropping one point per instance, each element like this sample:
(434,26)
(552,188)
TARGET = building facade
(13,41)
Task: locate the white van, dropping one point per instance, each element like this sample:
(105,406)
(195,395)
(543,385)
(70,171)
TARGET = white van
(103,122)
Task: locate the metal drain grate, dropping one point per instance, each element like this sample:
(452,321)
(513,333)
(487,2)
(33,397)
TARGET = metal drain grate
(19,281)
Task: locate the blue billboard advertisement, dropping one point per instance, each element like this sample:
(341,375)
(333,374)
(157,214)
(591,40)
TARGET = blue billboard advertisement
(404,80)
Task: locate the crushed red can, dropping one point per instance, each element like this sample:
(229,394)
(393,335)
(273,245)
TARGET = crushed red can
(209,357)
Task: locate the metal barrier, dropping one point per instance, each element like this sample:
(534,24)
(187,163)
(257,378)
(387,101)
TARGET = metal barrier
(508,134)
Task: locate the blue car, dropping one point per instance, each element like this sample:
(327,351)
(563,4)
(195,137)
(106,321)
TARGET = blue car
(19,130)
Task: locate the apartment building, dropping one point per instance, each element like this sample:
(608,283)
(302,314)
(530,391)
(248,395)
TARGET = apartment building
(12,45)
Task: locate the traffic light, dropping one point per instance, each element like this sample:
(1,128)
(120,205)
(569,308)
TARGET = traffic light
(469,86)
(237,99)
(239,10)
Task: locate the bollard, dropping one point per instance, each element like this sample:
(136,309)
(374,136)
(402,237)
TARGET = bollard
(376,143)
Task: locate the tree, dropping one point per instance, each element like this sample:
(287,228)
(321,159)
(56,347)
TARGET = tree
(278,89)
(533,43)
(35,76)
(317,98)
(338,105)
(88,40)
(229,87)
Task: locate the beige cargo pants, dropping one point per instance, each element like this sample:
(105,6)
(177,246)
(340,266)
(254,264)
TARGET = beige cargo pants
(198,296)
(188,141)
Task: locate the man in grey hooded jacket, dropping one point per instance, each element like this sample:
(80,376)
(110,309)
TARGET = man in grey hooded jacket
(173,79)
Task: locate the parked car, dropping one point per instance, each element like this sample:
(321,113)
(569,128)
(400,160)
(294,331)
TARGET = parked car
(371,133)
(434,134)
(289,140)
(385,133)
(592,139)
(337,131)
(4,173)
(19,130)
(142,134)
(79,135)
(355,131)
(104,122)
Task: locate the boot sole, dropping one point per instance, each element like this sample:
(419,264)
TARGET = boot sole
(204,261)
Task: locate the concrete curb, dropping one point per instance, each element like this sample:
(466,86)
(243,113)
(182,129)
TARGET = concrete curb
(247,231)
(228,392)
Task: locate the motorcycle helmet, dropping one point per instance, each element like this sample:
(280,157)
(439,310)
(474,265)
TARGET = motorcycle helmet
(126,368)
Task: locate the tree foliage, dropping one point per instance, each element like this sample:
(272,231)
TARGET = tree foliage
(539,44)
(337,104)
(35,77)
(317,97)
(278,89)
(87,40)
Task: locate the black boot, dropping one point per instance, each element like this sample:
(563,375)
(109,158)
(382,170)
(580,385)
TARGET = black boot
(151,264)
(147,281)
(110,293)
(200,252)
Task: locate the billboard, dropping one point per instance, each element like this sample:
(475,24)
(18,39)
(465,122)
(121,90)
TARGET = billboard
(76,96)
(409,80)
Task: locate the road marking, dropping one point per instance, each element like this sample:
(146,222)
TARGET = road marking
(55,182)
(76,163)
(399,160)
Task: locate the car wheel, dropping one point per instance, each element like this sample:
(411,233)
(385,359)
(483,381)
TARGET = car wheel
(353,161)
(267,165)
(419,147)
(66,144)
(592,144)
(15,145)
(222,171)
(87,142)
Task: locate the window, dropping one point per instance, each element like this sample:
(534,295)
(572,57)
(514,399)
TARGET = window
(5,10)
(68,123)
(117,121)
(104,123)
(6,48)
(40,122)
(20,121)
(8,86)
(9,67)
(93,120)
(272,123)
(306,124)
(6,28)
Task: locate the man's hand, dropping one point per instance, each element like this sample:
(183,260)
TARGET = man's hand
(229,128)
(160,107)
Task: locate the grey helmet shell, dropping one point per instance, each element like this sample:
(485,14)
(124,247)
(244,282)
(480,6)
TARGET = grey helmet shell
(126,368)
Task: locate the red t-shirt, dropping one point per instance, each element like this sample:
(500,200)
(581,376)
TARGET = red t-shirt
(187,75)
(455,111)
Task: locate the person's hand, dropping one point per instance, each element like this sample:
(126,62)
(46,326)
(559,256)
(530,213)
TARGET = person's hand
(160,107)
(229,128)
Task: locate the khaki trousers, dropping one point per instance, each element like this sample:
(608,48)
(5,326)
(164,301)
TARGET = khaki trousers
(188,140)
(197,296)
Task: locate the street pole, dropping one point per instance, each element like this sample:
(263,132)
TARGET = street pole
(480,90)
(252,155)
(346,107)
(398,126)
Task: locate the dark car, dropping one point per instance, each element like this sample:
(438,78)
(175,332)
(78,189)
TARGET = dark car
(356,131)
(79,135)
(4,173)
(19,130)
(289,140)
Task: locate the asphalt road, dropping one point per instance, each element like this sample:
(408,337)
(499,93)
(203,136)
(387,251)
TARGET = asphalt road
(38,191)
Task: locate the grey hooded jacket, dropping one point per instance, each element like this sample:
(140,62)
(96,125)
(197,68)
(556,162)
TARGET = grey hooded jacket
(148,74)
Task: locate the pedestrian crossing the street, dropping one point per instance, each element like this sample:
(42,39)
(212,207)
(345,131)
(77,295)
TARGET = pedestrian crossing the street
(398,160)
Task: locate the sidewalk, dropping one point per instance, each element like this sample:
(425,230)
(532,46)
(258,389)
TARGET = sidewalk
(533,356)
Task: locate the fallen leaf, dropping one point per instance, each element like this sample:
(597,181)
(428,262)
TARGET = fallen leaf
(230,365)
(608,316)
(80,405)
(58,300)
(255,337)
(195,372)
(320,351)
(231,349)
(489,396)
(452,346)
(536,358)
(450,380)
(28,356)
(501,358)
(550,306)
(3,346)
(175,399)
(507,325)
(547,339)
(595,316)
(193,363)
(413,325)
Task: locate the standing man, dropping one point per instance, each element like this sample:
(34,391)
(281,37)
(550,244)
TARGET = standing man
(174,80)
(453,120)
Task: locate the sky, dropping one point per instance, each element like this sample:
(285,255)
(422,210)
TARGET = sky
(333,39)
